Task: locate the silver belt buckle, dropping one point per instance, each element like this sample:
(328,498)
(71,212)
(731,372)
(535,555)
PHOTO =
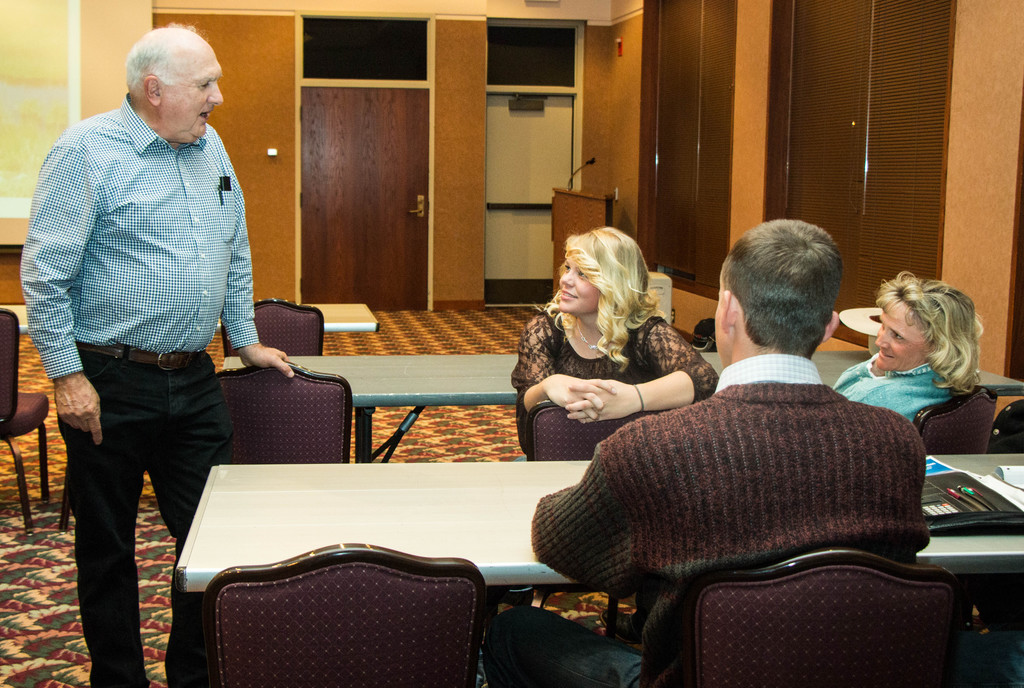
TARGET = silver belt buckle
(160,361)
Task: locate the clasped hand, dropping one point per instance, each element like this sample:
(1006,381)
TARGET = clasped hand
(590,400)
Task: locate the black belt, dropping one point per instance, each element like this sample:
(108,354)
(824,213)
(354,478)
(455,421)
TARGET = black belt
(171,360)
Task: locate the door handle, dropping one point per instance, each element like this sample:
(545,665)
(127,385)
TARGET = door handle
(421,204)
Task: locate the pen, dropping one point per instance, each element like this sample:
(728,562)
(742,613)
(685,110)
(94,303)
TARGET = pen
(978,496)
(972,500)
(224,184)
(957,496)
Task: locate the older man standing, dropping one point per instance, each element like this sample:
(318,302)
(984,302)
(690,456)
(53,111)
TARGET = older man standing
(724,483)
(137,245)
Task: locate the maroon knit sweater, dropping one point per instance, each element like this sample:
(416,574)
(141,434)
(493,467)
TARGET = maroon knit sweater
(751,476)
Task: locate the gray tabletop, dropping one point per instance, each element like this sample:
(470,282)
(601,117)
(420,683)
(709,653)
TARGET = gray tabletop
(417,380)
(477,379)
(423,380)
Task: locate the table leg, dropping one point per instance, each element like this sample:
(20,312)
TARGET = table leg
(364,433)
(393,441)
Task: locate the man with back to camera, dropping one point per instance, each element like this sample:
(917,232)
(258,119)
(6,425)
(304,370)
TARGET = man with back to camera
(723,483)
(137,245)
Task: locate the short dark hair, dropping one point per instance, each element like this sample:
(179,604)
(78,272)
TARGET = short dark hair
(786,275)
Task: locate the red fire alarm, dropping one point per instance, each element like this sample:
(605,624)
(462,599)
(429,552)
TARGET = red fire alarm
(618,46)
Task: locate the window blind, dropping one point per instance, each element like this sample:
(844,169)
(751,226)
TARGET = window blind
(867,127)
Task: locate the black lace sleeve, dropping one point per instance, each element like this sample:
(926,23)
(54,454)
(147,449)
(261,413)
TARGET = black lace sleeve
(663,350)
(538,351)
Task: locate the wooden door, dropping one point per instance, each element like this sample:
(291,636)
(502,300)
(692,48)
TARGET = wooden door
(364,165)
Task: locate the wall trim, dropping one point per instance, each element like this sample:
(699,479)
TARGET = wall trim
(474,305)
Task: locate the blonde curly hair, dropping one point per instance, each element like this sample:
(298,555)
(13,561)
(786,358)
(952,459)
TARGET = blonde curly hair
(951,327)
(612,262)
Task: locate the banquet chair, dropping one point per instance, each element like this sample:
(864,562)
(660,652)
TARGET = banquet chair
(347,615)
(20,413)
(298,330)
(962,425)
(552,436)
(303,419)
(833,617)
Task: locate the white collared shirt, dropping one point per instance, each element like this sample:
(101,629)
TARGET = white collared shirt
(784,368)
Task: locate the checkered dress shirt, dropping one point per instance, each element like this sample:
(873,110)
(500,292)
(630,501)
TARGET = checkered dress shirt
(133,242)
(770,368)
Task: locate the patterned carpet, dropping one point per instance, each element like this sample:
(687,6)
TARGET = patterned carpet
(40,634)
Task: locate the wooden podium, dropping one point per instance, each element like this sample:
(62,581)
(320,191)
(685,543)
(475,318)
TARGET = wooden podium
(575,212)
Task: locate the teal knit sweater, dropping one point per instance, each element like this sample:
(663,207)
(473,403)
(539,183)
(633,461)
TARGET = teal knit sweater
(753,475)
(905,392)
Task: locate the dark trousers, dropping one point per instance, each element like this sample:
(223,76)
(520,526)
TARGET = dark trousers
(527,647)
(175,426)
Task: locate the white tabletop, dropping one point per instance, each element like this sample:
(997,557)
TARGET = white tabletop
(482,511)
(22,314)
(863,320)
(418,380)
(347,317)
(259,514)
(338,317)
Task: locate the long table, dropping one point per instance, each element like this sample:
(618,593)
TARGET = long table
(472,380)
(260,514)
(22,314)
(418,381)
(338,317)
(347,317)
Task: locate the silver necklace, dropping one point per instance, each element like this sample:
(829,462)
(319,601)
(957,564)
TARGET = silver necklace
(579,331)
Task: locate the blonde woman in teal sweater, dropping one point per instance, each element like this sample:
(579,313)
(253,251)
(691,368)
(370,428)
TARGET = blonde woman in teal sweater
(928,348)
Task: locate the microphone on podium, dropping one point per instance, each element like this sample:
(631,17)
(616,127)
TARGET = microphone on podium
(577,171)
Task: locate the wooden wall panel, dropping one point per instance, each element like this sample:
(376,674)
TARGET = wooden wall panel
(598,59)
(460,116)
(750,119)
(257,55)
(10,277)
(981,182)
(611,117)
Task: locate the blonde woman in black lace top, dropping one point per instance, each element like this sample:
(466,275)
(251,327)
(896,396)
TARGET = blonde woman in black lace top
(601,349)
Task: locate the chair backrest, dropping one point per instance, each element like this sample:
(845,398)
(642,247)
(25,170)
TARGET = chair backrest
(302,419)
(552,436)
(961,425)
(298,330)
(1008,430)
(350,615)
(836,617)
(9,342)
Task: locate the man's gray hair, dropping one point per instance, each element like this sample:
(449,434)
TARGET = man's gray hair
(151,55)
